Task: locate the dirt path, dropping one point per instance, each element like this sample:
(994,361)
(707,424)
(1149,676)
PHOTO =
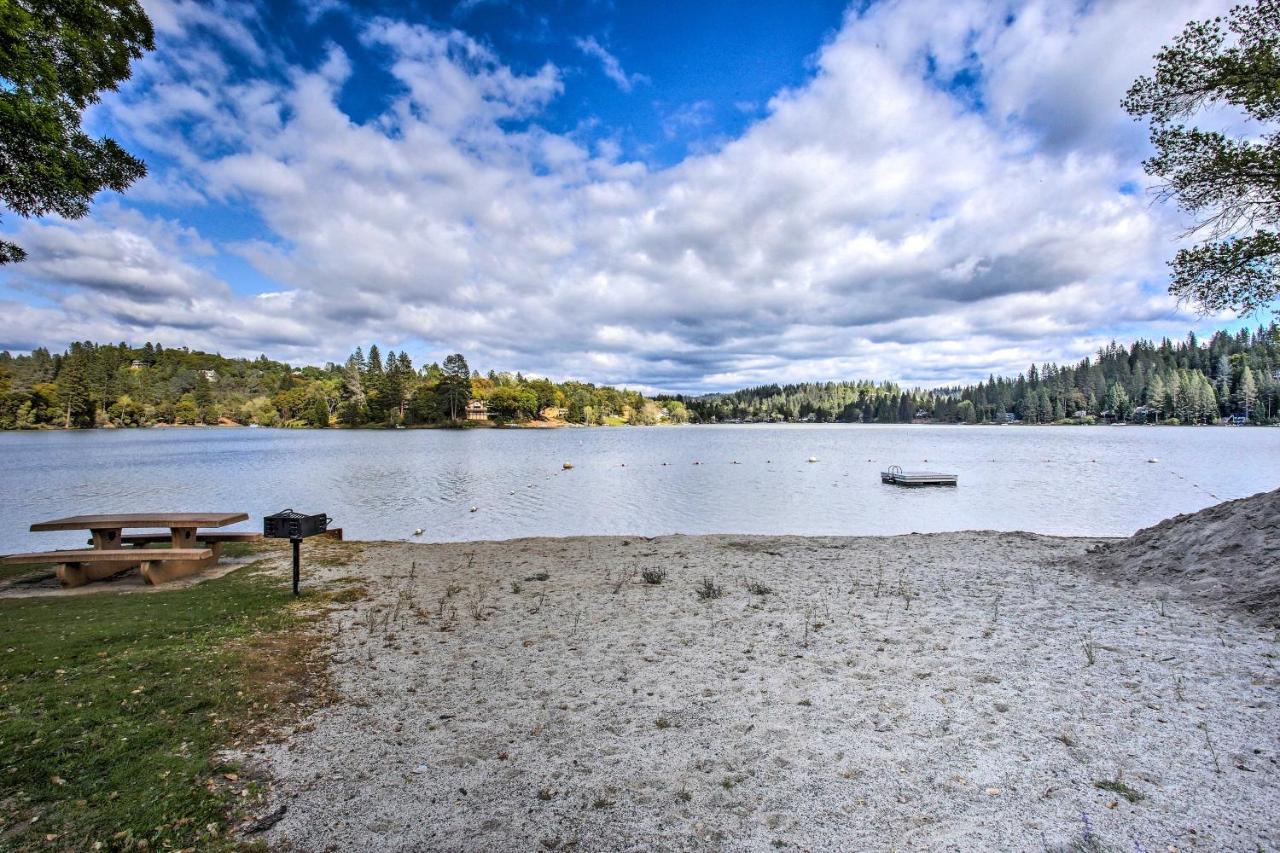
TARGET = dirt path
(953,691)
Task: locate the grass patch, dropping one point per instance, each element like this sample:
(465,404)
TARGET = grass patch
(240,549)
(343,591)
(20,571)
(1116,786)
(113,705)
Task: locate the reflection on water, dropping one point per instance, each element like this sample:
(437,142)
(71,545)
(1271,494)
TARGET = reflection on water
(376,484)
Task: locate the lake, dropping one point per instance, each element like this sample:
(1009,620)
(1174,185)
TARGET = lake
(386,484)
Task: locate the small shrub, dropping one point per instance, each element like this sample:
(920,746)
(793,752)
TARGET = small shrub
(602,803)
(516,587)
(540,576)
(757,588)
(662,723)
(709,589)
(654,576)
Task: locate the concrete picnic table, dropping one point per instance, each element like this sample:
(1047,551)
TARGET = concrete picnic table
(190,550)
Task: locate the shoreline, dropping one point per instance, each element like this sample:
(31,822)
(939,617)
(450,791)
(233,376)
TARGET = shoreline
(540,425)
(975,689)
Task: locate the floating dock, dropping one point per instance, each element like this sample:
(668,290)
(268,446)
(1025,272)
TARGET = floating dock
(897,477)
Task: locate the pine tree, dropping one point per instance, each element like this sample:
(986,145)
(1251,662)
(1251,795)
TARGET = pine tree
(1248,392)
(74,390)
(1155,395)
(455,386)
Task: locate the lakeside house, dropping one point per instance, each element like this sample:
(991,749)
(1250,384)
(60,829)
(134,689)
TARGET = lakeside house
(477,410)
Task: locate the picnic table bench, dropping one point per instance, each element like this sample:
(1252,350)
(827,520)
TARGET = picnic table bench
(189,551)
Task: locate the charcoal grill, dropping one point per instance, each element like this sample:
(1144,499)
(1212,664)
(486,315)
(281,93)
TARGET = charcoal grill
(295,526)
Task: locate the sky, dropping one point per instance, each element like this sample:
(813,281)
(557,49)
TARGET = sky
(671,196)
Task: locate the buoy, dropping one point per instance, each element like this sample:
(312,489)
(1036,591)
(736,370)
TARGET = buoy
(418,532)
(1153,460)
(813,459)
(475,509)
(568,466)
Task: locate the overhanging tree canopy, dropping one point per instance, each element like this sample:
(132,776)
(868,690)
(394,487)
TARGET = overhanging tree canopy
(56,57)
(1230,185)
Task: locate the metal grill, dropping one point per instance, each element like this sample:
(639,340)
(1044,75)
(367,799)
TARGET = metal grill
(288,524)
(294,526)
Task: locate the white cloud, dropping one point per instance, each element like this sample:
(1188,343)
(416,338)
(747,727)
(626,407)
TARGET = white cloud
(873,222)
(609,64)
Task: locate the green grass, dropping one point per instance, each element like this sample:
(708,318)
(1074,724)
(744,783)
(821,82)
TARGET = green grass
(113,705)
(1116,786)
(8,572)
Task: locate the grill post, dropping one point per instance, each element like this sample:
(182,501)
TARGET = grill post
(295,527)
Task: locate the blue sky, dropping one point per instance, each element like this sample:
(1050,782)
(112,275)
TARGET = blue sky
(678,196)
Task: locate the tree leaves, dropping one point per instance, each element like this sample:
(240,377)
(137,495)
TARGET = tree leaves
(1232,186)
(56,57)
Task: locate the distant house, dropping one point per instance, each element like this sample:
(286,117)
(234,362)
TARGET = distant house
(211,375)
(1237,420)
(1008,417)
(137,364)
(477,410)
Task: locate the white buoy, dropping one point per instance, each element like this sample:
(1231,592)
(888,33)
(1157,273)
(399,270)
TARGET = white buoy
(813,459)
(418,532)
(1153,460)
(475,509)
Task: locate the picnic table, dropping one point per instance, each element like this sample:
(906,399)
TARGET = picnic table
(113,551)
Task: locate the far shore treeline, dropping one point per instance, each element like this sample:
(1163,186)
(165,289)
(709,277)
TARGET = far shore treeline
(1232,376)
(118,385)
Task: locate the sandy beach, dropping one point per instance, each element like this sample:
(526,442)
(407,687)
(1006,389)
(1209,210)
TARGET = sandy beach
(947,692)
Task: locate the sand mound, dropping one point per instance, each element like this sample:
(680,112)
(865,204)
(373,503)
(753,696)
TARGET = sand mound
(1227,555)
